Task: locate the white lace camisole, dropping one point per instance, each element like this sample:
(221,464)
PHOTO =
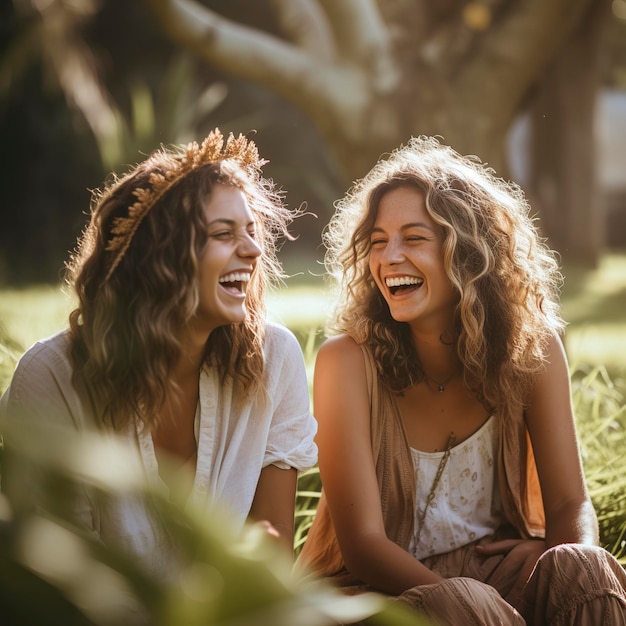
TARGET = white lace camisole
(466,505)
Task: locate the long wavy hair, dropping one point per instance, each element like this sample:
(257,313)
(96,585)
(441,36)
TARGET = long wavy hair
(507,279)
(125,331)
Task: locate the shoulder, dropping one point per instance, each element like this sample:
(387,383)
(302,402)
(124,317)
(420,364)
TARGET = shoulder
(284,360)
(42,386)
(554,346)
(50,354)
(280,343)
(340,363)
(553,377)
(342,349)
(554,358)
(550,393)
(342,395)
(278,335)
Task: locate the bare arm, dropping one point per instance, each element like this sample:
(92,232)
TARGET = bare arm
(570,517)
(348,473)
(274,502)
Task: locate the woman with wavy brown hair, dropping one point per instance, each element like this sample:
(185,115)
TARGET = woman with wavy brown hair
(169,347)
(447,446)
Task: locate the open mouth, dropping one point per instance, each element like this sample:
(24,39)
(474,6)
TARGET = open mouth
(235,283)
(403,284)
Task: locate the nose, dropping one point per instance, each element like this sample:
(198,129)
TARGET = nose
(249,247)
(393,252)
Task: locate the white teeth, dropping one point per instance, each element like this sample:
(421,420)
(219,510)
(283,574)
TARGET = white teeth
(403,280)
(235,277)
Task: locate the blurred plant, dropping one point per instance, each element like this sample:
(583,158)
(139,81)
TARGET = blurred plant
(601,421)
(221,579)
(173,115)
(308,496)
(52,33)
(10,352)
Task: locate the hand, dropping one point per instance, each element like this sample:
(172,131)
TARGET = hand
(521,557)
(267,528)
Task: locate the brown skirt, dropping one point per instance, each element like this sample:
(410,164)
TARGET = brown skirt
(571,585)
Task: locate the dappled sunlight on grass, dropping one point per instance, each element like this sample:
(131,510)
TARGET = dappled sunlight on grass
(594,306)
(596,295)
(299,307)
(598,343)
(33,312)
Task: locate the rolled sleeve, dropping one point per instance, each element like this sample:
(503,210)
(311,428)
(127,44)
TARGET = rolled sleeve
(292,444)
(291,438)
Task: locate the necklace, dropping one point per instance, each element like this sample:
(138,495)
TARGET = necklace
(441,386)
(431,494)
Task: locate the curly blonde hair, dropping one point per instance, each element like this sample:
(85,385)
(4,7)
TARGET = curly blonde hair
(124,332)
(506,277)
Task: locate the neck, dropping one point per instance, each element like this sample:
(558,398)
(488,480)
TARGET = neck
(191,358)
(440,363)
(439,384)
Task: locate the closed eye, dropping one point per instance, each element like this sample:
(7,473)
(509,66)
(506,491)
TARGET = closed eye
(221,234)
(376,242)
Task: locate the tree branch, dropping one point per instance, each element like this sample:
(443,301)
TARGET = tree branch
(321,90)
(236,48)
(307,26)
(363,38)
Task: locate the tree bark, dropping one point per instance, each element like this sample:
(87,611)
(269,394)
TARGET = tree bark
(563,163)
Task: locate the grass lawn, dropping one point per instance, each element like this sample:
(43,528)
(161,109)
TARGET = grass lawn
(594,305)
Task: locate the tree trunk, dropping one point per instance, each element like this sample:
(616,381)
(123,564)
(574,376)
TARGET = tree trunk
(563,162)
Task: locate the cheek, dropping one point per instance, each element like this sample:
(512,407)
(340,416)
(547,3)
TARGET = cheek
(373,262)
(372,269)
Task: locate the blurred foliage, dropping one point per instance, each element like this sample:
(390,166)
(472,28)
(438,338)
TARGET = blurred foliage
(174,112)
(220,579)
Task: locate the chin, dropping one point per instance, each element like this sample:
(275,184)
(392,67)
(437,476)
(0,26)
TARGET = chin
(402,319)
(238,317)
(401,316)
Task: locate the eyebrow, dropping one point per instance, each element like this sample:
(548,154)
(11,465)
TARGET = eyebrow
(229,222)
(377,229)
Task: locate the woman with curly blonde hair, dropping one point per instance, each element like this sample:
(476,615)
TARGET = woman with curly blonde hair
(447,446)
(169,346)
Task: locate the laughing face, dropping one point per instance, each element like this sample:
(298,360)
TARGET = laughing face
(228,259)
(406,262)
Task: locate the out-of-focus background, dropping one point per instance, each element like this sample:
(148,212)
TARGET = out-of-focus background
(535,88)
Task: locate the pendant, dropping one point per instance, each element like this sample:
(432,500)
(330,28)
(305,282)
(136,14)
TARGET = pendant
(441,388)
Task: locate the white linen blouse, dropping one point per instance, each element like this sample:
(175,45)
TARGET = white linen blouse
(235,439)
